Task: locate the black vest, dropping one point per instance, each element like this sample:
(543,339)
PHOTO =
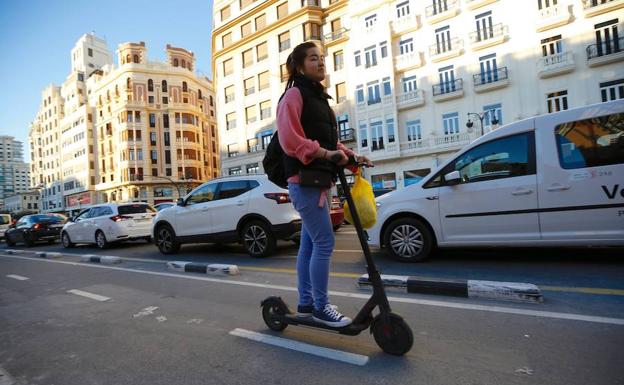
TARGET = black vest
(319,123)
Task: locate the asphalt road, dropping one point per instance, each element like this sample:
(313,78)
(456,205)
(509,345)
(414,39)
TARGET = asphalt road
(159,327)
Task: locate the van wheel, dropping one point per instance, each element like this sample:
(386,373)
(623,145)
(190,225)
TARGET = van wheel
(100,240)
(166,240)
(258,239)
(67,243)
(408,240)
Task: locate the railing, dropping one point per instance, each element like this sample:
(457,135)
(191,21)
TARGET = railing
(452,139)
(487,33)
(440,6)
(229,98)
(448,87)
(445,46)
(335,35)
(552,11)
(412,95)
(556,60)
(587,4)
(605,48)
(487,77)
(347,135)
(254,148)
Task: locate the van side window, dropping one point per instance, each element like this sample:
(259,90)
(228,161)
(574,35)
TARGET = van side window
(506,157)
(591,142)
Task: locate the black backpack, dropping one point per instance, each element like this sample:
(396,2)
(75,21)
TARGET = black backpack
(273,162)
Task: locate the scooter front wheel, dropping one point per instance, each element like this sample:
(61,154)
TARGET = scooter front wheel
(393,334)
(272,313)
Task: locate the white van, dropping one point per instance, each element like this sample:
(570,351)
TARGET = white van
(552,180)
(5,222)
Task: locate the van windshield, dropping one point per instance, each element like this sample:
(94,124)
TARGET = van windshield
(135,209)
(5,219)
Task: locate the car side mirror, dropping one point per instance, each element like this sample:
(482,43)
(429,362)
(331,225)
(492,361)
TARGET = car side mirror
(180,202)
(452,178)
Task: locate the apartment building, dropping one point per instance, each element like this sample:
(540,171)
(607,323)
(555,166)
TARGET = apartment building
(22,201)
(14,173)
(155,126)
(408,77)
(424,71)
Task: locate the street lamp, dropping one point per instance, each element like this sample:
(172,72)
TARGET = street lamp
(481,116)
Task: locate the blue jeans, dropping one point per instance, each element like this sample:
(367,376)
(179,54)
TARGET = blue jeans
(317,245)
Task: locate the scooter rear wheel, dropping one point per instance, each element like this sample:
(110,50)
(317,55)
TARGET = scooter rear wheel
(393,334)
(270,314)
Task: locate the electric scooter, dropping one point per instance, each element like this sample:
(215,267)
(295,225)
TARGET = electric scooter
(391,332)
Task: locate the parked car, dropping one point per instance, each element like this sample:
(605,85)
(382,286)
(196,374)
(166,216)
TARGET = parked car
(163,205)
(552,180)
(30,229)
(336,213)
(107,223)
(247,209)
(5,223)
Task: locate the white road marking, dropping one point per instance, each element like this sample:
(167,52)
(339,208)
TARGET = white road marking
(147,311)
(96,297)
(161,318)
(332,354)
(18,277)
(416,301)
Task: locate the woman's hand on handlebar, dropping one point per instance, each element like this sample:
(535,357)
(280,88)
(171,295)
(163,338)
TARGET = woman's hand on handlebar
(338,157)
(364,161)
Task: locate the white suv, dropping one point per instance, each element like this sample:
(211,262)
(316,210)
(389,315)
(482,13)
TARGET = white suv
(247,209)
(107,223)
(552,180)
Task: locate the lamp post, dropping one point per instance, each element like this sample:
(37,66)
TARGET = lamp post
(481,116)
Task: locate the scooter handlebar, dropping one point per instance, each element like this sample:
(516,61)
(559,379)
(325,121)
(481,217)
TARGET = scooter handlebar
(352,161)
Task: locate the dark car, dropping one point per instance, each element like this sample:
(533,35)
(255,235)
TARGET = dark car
(35,228)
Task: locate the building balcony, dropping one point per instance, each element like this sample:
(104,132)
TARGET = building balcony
(410,99)
(490,80)
(554,65)
(441,10)
(606,52)
(488,37)
(448,90)
(408,61)
(405,24)
(434,144)
(598,7)
(474,4)
(552,17)
(446,49)
(347,135)
(336,37)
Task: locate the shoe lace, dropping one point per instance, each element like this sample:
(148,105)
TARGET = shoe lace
(332,312)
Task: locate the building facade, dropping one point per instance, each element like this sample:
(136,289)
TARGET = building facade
(408,77)
(141,131)
(23,201)
(14,173)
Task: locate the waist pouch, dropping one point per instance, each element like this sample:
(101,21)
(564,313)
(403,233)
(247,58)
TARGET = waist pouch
(315,178)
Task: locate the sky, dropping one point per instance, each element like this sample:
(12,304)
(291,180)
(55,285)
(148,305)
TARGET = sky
(36,38)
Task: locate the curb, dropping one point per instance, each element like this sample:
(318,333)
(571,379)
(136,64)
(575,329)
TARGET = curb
(213,268)
(509,291)
(48,254)
(105,259)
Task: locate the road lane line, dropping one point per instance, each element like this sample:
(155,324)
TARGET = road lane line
(332,354)
(86,294)
(415,301)
(18,277)
(584,290)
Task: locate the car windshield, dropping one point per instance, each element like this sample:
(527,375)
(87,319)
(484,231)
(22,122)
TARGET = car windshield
(45,218)
(5,219)
(135,209)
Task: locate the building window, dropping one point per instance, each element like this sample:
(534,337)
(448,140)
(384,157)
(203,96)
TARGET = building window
(374,94)
(166,121)
(232,150)
(265,109)
(363,134)
(260,22)
(164,86)
(338,60)
(165,100)
(358,60)
(229,94)
(484,26)
(284,41)
(168,157)
(226,39)
(383,46)
(403,9)
(341,92)
(370,55)
(230,120)
(246,29)
(250,114)
(150,85)
(136,58)
(262,51)
(370,21)
(249,86)
(359,94)
(489,69)
(228,67)
(447,80)
(252,168)
(282,10)
(150,99)
(415,176)
(263,80)
(451,123)
(377,141)
(311,31)
(413,131)
(154,156)
(235,171)
(152,120)
(493,110)
(167,139)
(612,90)
(153,138)
(557,101)
(184,87)
(443,40)
(608,40)
(390,128)
(225,13)
(387,87)
(283,73)
(406,46)
(90,52)
(409,84)
(383,181)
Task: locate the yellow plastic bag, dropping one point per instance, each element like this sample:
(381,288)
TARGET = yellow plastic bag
(364,200)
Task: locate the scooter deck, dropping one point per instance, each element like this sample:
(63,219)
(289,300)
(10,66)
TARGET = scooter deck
(352,329)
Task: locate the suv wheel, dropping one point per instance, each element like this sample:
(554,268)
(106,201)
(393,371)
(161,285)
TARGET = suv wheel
(408,240)
(258,239)
(100,240)
(166,240)
(67,243)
